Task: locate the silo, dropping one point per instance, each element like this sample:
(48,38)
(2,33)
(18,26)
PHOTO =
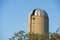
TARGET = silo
(38,21)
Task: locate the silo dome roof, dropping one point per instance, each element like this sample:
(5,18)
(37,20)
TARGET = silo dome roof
(39,12)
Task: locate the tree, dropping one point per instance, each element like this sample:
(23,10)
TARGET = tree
(16,34)
(10,38)
(54,36)
(26,36)
(34,36)
(20,33)
(37,36)
(13,37)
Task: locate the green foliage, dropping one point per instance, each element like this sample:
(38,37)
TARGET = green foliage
(21,35)
(10,38)
(37,36)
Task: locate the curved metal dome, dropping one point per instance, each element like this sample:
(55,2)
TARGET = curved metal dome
(39,12)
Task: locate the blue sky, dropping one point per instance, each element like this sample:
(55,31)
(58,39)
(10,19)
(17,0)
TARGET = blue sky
(14,15)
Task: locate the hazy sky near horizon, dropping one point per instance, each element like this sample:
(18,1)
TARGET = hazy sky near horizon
(14,15)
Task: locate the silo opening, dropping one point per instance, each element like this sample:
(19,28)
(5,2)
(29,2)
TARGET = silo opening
(33,18)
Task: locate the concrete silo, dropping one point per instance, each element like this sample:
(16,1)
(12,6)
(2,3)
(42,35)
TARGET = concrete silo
(38,21)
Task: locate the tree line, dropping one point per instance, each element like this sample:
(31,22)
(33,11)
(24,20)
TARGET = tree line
(21,35)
